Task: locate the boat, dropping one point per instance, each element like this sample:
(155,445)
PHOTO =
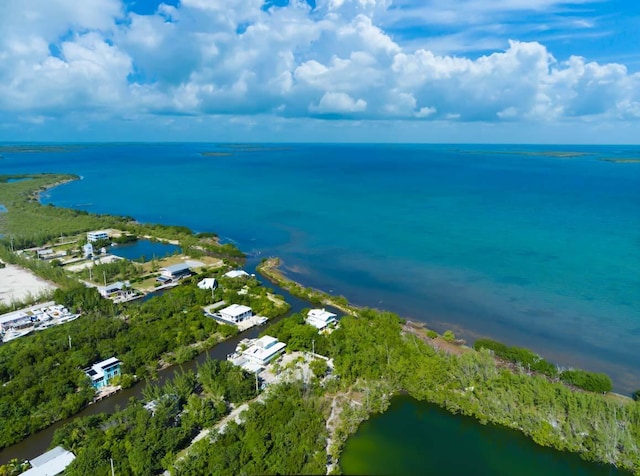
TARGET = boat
(14,333)
(67,318)
(45,325)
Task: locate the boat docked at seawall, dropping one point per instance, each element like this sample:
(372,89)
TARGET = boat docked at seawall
(12,333)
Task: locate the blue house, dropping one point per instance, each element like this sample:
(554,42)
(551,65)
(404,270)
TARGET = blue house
(103,372)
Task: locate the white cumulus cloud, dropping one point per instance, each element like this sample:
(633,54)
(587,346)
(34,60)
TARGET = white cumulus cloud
(215,57)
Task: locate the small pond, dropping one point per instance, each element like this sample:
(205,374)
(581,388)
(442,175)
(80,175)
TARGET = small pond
(414,437)
(144,249)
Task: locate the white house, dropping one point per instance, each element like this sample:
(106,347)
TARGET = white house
(264,350)
(235,313)
(236,273)
(111,290)
(97,235)
(320,318)
(50,463)
(208,283)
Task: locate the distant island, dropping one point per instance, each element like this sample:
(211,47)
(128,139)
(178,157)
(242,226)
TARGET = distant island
(621,161)
(216,154)
(548,153)
(35,148)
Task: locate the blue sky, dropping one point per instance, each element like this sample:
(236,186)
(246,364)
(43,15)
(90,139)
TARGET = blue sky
(527,71)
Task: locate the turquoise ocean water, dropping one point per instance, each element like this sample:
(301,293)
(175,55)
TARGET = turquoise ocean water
(496,241)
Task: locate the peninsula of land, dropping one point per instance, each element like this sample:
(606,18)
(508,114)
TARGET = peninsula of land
(337,370)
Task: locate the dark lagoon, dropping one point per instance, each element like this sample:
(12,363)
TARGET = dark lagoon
(144,250)
(418,438)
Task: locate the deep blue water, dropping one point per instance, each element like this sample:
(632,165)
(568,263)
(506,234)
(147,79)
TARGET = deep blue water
(144,249)
(534,250)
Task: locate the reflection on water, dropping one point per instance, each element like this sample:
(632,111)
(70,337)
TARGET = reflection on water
(414,437)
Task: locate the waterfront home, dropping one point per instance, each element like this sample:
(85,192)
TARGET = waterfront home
(103,372)
(50,463)
(112,290)
(97,235)
(264,350)
(320,318)
(235,313)
(236,273)
(208,283)
(174,272)
(253,355)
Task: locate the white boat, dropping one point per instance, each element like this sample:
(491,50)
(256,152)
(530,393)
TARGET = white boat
(67,318)
(45,325)
(14,333)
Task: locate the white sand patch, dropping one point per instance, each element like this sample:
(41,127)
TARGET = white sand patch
(16,284)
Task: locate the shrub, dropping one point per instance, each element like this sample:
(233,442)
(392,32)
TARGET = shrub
(591,381)
(449,336)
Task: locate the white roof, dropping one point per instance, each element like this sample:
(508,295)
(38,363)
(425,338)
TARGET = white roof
(235,310)
(96,371)
(321,315)
(98,232)
(50,463)
(207,283)
(264,349)
(236,273)
(23,313)
(112,287)
(106,363)
(319,318)
(177,268)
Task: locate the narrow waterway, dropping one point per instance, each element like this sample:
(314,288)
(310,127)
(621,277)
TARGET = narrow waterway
(38,443)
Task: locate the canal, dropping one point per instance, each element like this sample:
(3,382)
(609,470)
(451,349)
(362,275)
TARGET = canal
(38,443)
(411,437)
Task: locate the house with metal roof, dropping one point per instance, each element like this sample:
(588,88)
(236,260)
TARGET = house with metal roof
(50,463)
(174,272)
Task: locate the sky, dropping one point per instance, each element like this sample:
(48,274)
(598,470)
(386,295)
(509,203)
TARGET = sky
(503,71)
